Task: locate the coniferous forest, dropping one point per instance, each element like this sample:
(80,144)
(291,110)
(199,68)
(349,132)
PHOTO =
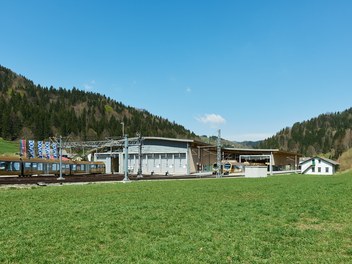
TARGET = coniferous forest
(34,112)
(329,134)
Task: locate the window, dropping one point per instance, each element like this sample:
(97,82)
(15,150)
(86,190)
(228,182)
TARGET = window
(313,169)
(319,169)
(327,169)
(15,166)
(3,166)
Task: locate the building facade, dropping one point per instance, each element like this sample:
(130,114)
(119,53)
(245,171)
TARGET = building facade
(319,166)
(169,156)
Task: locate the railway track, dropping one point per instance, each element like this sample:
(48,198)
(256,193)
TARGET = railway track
(44,180)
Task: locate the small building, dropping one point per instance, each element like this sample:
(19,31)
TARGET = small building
(319,166)
(256,171)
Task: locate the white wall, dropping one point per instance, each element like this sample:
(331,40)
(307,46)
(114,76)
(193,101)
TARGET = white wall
(256,171)
(320,167)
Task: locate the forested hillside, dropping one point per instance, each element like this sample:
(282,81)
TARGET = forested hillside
(329,134)
(35,112)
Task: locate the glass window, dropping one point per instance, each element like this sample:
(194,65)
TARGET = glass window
(327,169)
(3,165)
(15,166)
(313,169)
(40,166)
(319,169)
(27,165)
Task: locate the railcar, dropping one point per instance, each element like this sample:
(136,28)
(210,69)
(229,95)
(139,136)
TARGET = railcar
(23,167)
(216,168)
(87,167)
(228,166)
(232,166)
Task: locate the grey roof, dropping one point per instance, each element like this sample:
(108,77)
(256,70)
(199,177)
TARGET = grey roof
(322,158)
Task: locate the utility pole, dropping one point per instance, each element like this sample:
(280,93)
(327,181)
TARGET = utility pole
(60,177)
(123,128)
(59,143)
(126,179)
(139,173)
(219,172)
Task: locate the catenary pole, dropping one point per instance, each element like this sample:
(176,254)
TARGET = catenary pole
(60,144)
(126,179)
(218,174)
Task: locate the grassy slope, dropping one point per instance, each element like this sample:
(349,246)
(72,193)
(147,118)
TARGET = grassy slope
(8,147)
(281,219)
(346,160)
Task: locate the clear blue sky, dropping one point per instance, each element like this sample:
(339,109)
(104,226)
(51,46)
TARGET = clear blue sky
(247,67)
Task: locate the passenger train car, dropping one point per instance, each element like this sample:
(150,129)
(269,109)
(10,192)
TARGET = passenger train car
(24,167)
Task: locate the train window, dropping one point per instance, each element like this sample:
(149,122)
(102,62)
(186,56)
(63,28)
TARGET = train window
(54,166)
(15,166)
(34,165)
(3,166)
(27,165)
(227,166)
(40,166)
(74,167)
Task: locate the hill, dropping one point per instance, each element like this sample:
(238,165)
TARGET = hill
(34,112)
(8,147)
(328,134)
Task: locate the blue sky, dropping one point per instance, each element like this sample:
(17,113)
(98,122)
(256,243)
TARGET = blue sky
(249,68)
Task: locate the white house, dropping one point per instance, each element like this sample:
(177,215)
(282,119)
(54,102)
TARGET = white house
(319,166)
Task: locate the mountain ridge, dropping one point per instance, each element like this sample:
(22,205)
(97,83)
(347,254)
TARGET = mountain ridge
(329,134)
(36,112)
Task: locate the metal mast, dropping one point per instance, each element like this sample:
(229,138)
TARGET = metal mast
(139,173)
(126,179)
(219,172)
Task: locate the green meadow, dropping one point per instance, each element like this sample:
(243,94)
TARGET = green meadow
(8,147)
(280,219)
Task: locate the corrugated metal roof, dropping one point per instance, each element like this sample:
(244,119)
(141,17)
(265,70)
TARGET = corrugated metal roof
(322,158)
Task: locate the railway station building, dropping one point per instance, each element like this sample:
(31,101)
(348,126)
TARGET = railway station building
(169,156)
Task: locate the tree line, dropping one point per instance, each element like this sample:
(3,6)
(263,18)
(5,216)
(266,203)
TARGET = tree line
(35,112)
(329,134)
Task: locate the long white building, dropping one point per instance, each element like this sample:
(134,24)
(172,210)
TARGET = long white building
(171,156)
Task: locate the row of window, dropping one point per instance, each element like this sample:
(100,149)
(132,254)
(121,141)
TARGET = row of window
(327,169)
(156,160)
(15,166)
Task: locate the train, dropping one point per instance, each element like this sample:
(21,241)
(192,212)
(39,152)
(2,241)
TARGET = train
(25,167)
(228,166)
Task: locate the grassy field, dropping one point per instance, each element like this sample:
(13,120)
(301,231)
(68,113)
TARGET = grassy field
(280,219)
(8,147)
